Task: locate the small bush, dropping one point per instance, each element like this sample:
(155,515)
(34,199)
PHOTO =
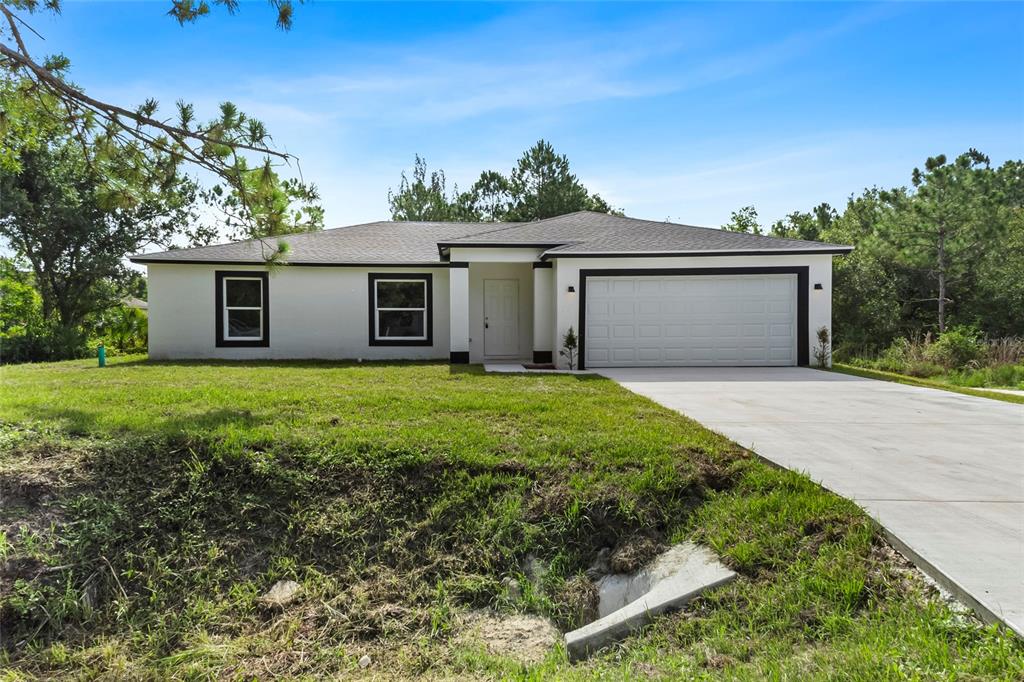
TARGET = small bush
(42,343)
(1001,376)
(922,369)
(124,329)
(902,354)
(1006,375)
(957,348)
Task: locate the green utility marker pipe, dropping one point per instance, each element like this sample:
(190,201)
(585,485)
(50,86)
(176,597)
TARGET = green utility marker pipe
(101,354)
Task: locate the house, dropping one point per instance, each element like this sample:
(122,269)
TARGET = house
(638,292)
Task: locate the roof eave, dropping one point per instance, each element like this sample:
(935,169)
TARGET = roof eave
(837,250)
(307,264)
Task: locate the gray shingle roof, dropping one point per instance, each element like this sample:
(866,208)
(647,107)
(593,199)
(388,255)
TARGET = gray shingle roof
(381,242)
(421,243)
(585,233)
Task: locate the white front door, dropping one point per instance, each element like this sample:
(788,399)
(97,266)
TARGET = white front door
(501,318)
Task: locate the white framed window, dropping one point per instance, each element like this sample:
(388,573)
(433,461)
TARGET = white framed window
(400,309)
(242,309)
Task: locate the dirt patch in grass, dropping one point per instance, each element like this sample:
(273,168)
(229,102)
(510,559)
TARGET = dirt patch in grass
(520,637)
(635,552)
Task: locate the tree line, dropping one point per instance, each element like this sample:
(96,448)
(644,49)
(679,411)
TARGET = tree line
(540,185)
(945,250)
(75,202)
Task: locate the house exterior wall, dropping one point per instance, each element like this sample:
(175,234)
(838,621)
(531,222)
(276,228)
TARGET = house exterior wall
(494,254)
(567,273)
(315,312)
(522,272)
(323,312)
(543,313)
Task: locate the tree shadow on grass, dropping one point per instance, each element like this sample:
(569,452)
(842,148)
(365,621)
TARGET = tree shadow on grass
(259,363)
(80,422)
(478,370)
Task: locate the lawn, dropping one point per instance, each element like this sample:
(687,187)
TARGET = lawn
(147,506)
(946,382)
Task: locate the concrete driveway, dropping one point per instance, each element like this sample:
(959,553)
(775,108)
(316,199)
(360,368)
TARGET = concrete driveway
(942,472)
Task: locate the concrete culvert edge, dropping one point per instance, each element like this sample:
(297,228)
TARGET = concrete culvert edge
(628,602)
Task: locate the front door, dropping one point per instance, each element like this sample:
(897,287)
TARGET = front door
(501,318)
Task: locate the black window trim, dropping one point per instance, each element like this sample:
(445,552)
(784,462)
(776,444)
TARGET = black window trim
(372,278)
(222,342)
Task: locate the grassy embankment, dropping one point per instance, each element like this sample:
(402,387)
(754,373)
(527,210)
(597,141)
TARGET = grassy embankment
(146,507)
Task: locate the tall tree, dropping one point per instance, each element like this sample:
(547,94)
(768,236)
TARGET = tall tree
(807,226)
(948,222)
(994,301)
(425,197)
(73,213)
(870,287)
(744,220)
(219,145)
(540,186)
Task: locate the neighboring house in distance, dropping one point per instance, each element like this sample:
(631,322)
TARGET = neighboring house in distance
(638,292)
(132,302)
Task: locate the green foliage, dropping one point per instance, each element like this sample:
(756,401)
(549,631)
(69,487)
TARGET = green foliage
(960,357)
(74,213)
(956,348)
(744,220)
(426,199)
(124,329)
(823,352)
(261,204)
(945,252)
(809,226)
(24,334)
(908,357)
(20,304)
(540,186)
(945,225)
(570,346)
(143,134)
(190,11)
(1000,376)
(865,368)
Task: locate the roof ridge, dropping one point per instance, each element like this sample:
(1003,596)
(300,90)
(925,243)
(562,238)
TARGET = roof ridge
(715,229)
(529,223)
(504,226)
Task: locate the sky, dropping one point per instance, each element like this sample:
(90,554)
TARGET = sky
(679,111)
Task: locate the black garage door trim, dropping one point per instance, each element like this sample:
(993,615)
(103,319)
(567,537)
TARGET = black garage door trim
(803,354)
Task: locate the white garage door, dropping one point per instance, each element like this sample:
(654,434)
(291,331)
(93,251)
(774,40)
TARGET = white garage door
(698,320)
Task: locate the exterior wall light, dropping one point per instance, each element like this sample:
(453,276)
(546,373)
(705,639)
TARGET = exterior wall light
(818,287)
(572,289)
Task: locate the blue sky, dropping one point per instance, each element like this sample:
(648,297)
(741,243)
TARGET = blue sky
(677,111)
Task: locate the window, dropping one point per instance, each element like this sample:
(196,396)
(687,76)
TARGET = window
(400,312)
(243,309)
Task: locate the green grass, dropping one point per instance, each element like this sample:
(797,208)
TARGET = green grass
(944,383)
(148,505)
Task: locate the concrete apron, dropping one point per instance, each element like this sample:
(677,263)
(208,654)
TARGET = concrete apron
(628,602)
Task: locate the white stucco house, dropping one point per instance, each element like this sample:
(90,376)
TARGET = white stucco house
(638,293)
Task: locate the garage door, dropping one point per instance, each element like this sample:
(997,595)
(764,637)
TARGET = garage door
(696,320)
